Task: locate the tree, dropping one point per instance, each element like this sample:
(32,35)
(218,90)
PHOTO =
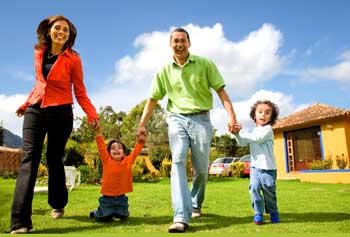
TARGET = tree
(226,145)
(110,123)
(156,127)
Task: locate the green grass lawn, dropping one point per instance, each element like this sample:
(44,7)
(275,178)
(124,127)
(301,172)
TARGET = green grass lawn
(304,208)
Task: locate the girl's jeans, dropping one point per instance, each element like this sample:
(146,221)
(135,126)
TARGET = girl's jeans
(262,190)
(194,132)
(56,122)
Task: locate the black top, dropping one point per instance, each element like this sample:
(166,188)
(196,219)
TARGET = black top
(48,62)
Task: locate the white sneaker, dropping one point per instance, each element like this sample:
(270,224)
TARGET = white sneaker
(57,213)
(21,230)
(196,214)
(177,227)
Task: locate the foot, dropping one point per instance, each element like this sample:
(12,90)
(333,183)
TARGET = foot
(196,213)
(258,219)
(274,218)
(177,227)
(21,230)
(57,213)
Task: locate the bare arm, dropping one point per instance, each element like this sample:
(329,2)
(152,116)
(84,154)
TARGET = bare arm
(146,115)
(226,102)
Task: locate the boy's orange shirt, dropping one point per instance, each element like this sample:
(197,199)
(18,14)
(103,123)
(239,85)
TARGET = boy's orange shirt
(117,175)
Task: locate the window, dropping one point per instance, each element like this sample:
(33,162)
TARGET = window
(303,146)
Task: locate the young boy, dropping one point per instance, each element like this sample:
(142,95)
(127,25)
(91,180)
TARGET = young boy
(116,177)
(263,169)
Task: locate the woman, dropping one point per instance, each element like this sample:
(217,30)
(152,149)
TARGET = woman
(48,111)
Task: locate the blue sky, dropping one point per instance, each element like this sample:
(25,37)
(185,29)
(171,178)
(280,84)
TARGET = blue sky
(295,53)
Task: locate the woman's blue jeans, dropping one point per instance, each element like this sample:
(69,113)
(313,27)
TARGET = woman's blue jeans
(56,122)
(186,132)
(262,190)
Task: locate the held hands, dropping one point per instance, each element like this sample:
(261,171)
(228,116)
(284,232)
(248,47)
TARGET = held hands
(234,127)
(95,125)
(141,135)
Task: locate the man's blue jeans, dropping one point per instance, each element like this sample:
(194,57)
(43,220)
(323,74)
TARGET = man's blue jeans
(194,132)
(263,181)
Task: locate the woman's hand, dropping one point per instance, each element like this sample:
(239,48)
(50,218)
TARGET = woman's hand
(20,112)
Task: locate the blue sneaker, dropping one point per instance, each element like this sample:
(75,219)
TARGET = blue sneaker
(274,218)
(258,219)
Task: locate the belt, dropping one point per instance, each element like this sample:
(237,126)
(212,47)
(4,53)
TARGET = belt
(202,112)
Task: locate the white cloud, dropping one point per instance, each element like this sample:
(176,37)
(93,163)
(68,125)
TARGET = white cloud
(8,117)
(339,72)
(242,109)
(242,64)
(345,56)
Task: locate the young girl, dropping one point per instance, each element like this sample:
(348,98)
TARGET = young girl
(263,169)
(116,177)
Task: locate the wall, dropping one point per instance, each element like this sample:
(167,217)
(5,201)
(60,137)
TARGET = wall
(9,159)
(335,141)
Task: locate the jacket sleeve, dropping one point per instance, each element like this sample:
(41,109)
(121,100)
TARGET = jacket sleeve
(25,104)
(102,149)
(135,152)
(257,136)
(80,91)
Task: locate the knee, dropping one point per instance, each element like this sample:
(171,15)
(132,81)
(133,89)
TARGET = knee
(254,187)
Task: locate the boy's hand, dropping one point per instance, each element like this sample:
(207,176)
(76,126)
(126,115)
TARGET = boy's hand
(141,135)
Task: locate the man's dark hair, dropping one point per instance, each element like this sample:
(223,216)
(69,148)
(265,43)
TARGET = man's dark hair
(181,30)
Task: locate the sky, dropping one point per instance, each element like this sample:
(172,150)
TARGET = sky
(294,53)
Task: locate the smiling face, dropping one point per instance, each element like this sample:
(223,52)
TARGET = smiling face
(180,44)
(263,114)
(117,151)
(59,33)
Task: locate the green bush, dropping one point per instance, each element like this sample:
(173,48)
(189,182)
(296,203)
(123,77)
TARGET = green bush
(89,175)
(157,154)
(320,164)
(165,169)
(237,169)
(327,164)
(341,162)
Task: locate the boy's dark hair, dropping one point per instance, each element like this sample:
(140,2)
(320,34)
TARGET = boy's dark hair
(116,141)
(181,30)
(274,113)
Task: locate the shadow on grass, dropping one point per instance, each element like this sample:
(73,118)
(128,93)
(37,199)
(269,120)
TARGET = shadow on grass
(207,222)
(313,217)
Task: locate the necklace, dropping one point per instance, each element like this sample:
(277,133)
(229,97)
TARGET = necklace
(52,55)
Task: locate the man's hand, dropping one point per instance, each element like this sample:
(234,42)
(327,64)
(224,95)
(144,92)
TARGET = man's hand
(234,127)
(141,135)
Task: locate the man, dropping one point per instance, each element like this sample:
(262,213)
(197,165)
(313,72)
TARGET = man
(187,81)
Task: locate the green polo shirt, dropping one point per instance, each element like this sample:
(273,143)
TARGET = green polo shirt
(189,87)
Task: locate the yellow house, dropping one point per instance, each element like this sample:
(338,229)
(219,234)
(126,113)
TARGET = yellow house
(316,135)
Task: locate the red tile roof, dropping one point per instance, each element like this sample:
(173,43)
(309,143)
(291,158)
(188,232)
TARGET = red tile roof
(315,113)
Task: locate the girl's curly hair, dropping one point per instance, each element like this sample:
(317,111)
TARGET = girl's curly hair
(274,113)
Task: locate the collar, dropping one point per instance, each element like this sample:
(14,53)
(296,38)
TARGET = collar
(190,58)
(67,52)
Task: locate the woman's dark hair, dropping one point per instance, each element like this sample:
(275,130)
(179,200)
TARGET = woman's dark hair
(181,30)
(116,141)
(43,35)
(274,113)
